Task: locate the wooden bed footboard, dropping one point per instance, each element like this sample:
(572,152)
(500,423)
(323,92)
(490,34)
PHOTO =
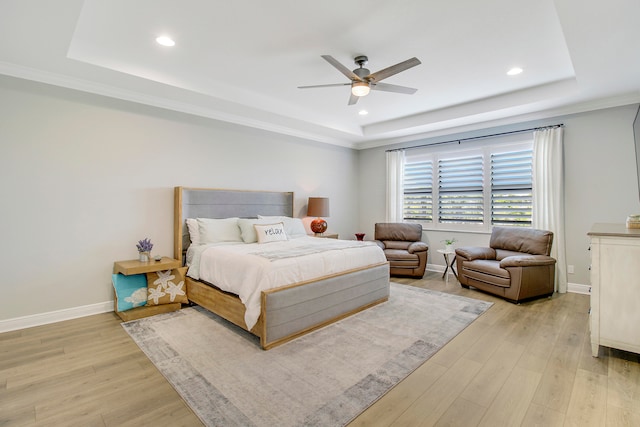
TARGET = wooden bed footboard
(291,311)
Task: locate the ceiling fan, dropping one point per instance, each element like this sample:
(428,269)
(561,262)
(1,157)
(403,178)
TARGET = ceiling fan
(362,80)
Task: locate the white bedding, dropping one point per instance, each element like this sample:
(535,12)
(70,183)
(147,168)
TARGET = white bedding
(246,269)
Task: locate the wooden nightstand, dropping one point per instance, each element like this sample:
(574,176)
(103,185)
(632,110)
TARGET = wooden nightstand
(134,266)
(325,235)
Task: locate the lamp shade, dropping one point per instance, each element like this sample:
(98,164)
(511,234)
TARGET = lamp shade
(318,206)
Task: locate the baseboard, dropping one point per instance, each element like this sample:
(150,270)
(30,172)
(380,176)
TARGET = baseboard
(437,268)
(578,288)
(54,316)
(107,306)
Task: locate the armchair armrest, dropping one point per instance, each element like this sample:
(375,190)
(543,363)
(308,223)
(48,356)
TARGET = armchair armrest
(526,261)
(476,252)
(379,243)
(417,247)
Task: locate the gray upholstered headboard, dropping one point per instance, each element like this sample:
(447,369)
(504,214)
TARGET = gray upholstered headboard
(219,203)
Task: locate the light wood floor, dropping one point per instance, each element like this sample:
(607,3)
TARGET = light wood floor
(527,364)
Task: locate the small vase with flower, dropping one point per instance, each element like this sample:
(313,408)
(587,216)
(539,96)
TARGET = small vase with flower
(448,244)
(144,249)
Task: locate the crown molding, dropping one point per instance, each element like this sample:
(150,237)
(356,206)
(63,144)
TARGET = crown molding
(339,138)
(543,114)
(82,85)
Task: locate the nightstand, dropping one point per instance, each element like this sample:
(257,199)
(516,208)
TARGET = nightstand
(134,266)
(325,235)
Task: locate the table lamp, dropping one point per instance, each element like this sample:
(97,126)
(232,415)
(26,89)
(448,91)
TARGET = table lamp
(318,207)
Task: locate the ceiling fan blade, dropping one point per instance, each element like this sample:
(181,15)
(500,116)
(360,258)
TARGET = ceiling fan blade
(353,99)
(394,69)
(344,70)
(329,85)
(386,87)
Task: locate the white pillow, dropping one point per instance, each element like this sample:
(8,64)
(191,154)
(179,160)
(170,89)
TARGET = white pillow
(194,231)
(270,232)
(247,231)
(219,230)
(292,226)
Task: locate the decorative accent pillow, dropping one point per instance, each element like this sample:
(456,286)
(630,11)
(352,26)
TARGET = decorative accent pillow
(247,231)
(292,226)
(131,291)
(219,230)
(270,232)
(194,231)
(165,287)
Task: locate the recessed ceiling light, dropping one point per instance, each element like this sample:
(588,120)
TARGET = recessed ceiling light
(165,41)
(363,112)
(514,71)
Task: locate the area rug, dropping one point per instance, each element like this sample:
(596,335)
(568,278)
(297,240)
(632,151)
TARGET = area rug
(325,378)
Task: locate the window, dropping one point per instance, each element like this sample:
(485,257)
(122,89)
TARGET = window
(460,190)
(511,188)
(418,190)
(474,189)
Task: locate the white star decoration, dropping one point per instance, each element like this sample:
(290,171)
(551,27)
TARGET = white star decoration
(165,286)
(155,294)
(174,290)
(163,278)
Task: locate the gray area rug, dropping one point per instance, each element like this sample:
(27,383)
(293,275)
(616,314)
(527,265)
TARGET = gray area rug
(325,378)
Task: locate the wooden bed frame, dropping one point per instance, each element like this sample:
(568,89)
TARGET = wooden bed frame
(291,310)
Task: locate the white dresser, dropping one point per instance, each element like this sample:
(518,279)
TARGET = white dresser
(615,287)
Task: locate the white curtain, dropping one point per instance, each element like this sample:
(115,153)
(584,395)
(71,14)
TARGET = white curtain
(395,190)
(548,195)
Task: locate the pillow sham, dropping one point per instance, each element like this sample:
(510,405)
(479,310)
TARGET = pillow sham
(194,231)
(219,230)
(165,287)
(247,231)
(131,291)
(292,226)
(270,232)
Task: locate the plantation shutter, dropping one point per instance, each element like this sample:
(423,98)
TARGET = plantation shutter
(418,190)
(460,194)
(511,188)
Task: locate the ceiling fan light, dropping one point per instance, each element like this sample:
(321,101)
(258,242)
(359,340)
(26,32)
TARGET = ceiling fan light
(360,89)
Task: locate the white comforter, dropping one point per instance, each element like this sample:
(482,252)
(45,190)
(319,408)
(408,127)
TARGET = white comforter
(246,269)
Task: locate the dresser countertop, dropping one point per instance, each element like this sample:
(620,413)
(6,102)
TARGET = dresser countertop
(613,230)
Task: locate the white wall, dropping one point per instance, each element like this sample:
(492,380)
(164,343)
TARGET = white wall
(600,181)
(84,177)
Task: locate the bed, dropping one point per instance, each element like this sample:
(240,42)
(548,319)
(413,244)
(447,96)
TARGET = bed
(288,310)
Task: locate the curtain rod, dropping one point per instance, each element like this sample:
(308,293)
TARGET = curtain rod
(478,137)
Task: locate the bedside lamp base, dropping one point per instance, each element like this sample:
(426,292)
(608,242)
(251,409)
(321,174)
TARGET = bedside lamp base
(318,225)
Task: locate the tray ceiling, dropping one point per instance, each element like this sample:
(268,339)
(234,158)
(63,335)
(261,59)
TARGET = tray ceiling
(243,61)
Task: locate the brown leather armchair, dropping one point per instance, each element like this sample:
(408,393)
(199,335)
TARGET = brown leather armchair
(402,245)
(516,266)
